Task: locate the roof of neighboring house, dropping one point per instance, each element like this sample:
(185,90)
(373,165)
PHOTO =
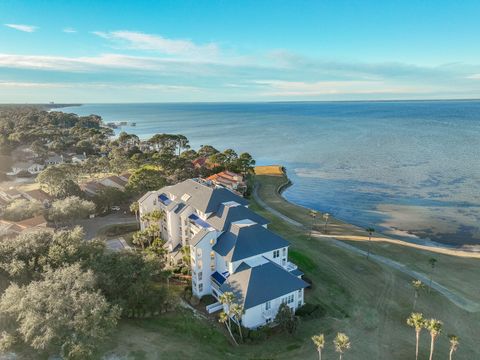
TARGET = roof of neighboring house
(79,156)
(32,222)
(116,180)
(226,176)
(199,162)
(245,240)
(24,165)
(54,159)
(12,192)
(38,194)
(202,197)
(92,186)
(228,213)
(125,175)
(256,285)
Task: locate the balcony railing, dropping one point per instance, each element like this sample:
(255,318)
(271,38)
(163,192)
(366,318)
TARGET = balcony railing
(289,266)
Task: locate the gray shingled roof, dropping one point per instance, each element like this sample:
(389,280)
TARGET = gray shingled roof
(226,215)
(241,242)
(199,236)
(253,286)
(204,198)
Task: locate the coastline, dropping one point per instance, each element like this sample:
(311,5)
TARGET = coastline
(341,230)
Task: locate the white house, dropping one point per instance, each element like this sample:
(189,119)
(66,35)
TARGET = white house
(54,160)
(231,248)
(79,158)
(26,167)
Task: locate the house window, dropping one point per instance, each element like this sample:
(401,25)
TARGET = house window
(212,241)
(154,202)
(268,305)
(284,251)
(290,299)
(276,254)
(200,276)
(200,287)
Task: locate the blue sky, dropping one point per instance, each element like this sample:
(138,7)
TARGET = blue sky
(148,51)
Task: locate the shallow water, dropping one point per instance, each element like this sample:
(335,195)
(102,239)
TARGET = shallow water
(408,168)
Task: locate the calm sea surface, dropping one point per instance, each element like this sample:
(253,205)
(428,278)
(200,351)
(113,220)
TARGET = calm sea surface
(411,169)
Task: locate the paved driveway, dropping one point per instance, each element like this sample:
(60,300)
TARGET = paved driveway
(91,226)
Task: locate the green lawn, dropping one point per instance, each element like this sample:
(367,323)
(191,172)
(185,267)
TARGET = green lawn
(368,301)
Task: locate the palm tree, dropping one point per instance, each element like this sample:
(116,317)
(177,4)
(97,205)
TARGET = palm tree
(435,328)
(319,341)
(326,216)
(342,344)
(454,341)
(140,238)
(417,286)
(416,321)
(432,262)
(227,299)
(237,311)
(134,207)
(370,231)
(225,319)
(313,215)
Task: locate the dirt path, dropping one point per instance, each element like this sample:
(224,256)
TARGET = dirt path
(455,298)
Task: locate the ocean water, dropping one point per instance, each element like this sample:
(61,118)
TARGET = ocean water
(410,169)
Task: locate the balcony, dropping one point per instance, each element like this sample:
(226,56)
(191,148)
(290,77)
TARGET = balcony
(195,220)
(289,266)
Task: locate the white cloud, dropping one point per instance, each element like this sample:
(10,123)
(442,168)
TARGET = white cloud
(178,47)
(20,27)
(69,30)
(53,85)
(301,88)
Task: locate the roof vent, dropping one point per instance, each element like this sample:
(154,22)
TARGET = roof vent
(185,197)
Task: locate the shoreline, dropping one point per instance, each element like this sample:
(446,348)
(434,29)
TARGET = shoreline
(345,231)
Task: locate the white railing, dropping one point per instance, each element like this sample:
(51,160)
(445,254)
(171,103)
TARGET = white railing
(214,307)
(289,266)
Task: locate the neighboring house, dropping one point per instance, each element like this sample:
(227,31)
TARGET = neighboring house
(29,167)
(79,158)
(54,160)
(119,182)
(11,228)
(10,194)
(199,163)
(114,181)
(230,180)
(37,195)
(231,249)
(91,188)
(125,176)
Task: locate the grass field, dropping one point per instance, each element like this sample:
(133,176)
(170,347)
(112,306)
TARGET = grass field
(368,301)
(270,170)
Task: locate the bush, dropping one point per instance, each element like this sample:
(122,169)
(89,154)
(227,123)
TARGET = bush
(119,229)
(311,311)
(207,300)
